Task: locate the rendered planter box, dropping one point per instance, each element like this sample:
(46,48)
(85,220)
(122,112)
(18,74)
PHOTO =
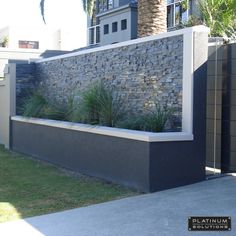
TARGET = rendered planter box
(145,161)
(141,160)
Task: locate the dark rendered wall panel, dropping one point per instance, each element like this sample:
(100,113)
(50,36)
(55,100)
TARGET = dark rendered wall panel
(176,163)
(232,122)
(225,107)
(214,101)
(184,162)
(122,161)
(145,166)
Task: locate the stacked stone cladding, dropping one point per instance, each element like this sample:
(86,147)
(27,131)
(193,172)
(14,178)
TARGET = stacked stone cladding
(142,74)
(25,82)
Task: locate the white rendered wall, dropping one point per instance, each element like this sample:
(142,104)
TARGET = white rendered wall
(7,103)
(47,38)
(16,54)
(120,35)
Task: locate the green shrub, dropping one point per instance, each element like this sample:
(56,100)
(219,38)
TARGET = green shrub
(133,123)
(70,109)
(155,121)
(34,105)
(100,106)
(53,112)
(64,112)
(88,110)
(111,108)
(218,15)
(37,106)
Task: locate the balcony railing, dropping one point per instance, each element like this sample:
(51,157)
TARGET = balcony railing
(94,35)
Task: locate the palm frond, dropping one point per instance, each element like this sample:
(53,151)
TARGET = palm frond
(219,16)
(42,10)
(88,6)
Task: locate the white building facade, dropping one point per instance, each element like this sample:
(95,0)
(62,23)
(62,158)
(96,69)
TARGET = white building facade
(28,43)
(31,38)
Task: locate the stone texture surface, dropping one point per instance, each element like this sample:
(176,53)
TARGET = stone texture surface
(143,74)
(25,82)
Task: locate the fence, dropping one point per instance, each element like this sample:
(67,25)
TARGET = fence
(7,103)
(143,160)
(221,108)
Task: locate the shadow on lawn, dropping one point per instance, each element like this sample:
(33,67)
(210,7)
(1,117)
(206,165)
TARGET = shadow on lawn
(29,187)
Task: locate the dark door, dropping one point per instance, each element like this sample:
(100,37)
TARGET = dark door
(221,109)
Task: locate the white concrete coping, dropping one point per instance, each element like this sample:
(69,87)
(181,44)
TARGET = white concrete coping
(199,28)
(115,132)
(187,101)
(21,50)
(188,70)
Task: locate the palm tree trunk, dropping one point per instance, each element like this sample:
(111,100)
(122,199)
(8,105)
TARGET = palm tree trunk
(151,17)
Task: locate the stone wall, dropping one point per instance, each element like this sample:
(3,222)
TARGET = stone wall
(143,74)
(25,82)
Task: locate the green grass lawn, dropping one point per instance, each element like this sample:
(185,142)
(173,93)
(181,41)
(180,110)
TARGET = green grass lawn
(30,187)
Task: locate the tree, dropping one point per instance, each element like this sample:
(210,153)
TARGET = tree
(88,6)
(151,17)
(4,42)
(219,16)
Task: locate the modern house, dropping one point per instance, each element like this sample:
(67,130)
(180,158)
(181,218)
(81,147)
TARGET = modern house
(24,43)
(40,38)
(115,21)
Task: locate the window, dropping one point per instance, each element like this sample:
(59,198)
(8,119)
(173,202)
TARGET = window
(28,44)
(105,5)
(124,24)
(94,34)
(114,27)
(110,4)
(106,29)
(175,13)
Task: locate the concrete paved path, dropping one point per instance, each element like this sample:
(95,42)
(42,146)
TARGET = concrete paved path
(162,213)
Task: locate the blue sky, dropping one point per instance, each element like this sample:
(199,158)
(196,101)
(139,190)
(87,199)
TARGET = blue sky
(66,14)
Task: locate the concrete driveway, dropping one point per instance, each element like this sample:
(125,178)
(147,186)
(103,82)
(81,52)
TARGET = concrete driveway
(162,213)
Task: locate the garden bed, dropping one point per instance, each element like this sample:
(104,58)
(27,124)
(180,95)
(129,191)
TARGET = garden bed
(142,160)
